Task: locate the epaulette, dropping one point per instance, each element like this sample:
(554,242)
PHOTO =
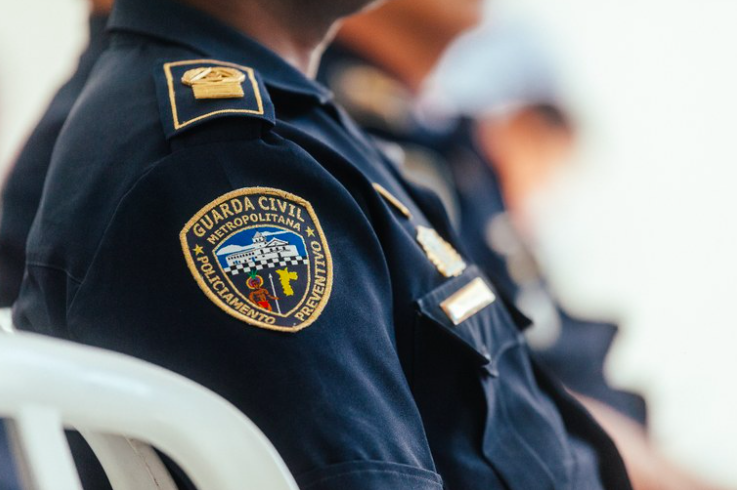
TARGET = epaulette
(191,92)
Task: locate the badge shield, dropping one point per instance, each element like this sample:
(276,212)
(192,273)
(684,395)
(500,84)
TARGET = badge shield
(261,256)
(267,266)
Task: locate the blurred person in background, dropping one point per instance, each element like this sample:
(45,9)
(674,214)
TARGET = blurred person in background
(509,87)
(484,166)
(381,87)
(21,195)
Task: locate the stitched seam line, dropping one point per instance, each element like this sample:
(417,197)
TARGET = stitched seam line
(55,268)
(111,220)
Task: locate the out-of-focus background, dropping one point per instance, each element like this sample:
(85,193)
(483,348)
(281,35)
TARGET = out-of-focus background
(39,44)
(639,228)
(642,225)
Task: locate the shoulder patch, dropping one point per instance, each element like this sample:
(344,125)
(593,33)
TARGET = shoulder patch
(194,91)
(261,256)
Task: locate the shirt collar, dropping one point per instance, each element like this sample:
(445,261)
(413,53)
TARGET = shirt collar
(177,22)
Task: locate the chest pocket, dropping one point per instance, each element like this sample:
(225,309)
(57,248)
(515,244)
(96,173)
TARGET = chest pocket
(468,310)
(479,348)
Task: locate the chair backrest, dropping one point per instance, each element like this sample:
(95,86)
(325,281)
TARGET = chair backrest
(123,406)
(6,322)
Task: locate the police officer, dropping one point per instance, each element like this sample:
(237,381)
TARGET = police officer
(200,165)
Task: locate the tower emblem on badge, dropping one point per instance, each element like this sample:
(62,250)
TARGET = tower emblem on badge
(261,256)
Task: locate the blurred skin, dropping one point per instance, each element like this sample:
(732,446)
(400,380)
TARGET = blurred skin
(406,38)
(297,30)
(101,7)
(423,29)
(648,470)
(526,148)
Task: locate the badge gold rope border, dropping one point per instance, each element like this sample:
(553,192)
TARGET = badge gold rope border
(217,301)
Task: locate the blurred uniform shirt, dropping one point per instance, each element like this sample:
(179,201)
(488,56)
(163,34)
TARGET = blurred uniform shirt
(22,190)
(438,151)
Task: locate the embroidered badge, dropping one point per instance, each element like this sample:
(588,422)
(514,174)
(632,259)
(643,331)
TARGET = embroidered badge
(441,253)
(262,257)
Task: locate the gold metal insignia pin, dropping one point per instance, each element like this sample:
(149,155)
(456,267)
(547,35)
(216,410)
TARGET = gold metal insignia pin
(215,82)
(467,301)
(441,253)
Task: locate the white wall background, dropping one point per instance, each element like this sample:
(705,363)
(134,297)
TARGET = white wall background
(39,43)
(643,227)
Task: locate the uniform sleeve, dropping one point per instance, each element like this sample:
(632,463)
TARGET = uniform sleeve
(251,270)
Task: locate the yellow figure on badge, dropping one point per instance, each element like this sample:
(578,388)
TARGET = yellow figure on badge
(286,278)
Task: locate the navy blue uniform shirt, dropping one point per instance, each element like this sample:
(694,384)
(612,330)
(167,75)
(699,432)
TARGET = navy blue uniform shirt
(441,153)
(209,209)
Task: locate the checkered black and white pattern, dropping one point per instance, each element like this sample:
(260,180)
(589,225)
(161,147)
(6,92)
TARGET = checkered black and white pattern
(247,268)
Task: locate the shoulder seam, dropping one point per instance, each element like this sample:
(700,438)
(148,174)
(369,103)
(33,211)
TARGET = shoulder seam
(101,239)
(57,268)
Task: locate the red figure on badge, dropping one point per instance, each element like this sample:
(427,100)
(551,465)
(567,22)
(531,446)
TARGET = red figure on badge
(260,296)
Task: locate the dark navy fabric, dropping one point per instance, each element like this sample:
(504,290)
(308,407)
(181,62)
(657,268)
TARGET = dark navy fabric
(8,475)
(22,190)
(380,391)
(577,356)
(191,112)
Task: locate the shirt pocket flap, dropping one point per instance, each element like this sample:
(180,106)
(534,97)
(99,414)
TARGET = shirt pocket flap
(468,309)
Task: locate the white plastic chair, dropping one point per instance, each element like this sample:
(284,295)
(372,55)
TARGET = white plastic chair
(123,406)
(6,323)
